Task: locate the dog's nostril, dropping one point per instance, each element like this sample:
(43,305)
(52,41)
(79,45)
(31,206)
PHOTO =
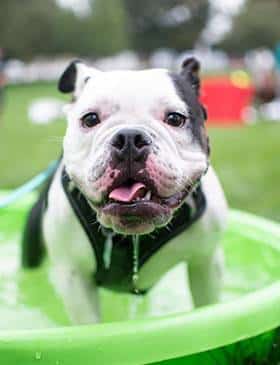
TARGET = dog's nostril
(119,141)
(140,141)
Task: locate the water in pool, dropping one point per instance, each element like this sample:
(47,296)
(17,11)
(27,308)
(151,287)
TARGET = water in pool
(28,300)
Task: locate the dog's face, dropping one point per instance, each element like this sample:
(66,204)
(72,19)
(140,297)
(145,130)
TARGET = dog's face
(135,143)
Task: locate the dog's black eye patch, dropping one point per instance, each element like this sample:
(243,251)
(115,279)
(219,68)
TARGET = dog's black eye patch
(197,113)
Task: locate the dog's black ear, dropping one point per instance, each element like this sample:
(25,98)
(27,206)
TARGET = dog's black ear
(75,77)
(190,70)
(66,83)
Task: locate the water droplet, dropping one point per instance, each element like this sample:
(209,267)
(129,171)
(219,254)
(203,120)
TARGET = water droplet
(135,268)
(38,355)
(107,253)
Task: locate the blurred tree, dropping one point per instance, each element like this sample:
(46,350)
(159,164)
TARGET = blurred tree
(26,27)
(30,28)
(256,26)
(173,24)
(107,26)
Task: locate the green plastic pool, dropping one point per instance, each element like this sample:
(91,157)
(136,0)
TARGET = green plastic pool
(242,329)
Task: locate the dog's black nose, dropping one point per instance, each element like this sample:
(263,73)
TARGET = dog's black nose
(131,144)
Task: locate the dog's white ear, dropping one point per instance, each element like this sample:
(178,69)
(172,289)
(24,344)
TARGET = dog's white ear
(190,70)
(75,77)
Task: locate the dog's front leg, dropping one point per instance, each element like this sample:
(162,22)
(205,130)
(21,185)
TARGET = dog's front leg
(79,293)
(205,278)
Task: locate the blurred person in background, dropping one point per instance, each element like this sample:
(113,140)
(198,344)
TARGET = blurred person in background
(2,80)
(261,63)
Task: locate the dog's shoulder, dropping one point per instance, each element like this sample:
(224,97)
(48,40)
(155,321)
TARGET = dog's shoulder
(63,235)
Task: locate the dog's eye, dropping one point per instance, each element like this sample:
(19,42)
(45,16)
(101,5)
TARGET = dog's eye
(175,119)
(90,120)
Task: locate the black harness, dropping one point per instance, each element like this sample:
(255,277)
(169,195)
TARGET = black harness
(118,276)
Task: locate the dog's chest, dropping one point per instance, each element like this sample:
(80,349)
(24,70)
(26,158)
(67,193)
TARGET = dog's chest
(120,260)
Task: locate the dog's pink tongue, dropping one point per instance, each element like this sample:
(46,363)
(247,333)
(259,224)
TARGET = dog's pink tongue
(128,193)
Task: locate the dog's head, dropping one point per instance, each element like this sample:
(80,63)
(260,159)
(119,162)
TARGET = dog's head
(136,143)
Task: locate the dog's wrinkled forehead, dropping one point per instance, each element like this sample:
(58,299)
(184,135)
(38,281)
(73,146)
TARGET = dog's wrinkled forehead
(123,89)
(132,91)
(137,93)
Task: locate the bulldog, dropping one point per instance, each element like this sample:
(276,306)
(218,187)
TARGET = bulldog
(133,193)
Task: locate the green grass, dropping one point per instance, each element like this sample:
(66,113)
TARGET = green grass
(26,148)
(246,159)
(247,162)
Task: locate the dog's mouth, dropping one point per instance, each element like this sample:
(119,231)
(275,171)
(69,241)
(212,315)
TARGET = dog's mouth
(135,206)
(132,193)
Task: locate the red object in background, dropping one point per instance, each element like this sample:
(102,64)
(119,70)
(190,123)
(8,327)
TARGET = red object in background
(225,101)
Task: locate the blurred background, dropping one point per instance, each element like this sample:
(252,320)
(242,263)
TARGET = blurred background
(236,41)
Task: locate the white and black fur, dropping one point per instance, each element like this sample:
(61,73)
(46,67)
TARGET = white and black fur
(171,164)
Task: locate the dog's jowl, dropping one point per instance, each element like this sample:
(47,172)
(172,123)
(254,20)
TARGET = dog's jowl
(134,169)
